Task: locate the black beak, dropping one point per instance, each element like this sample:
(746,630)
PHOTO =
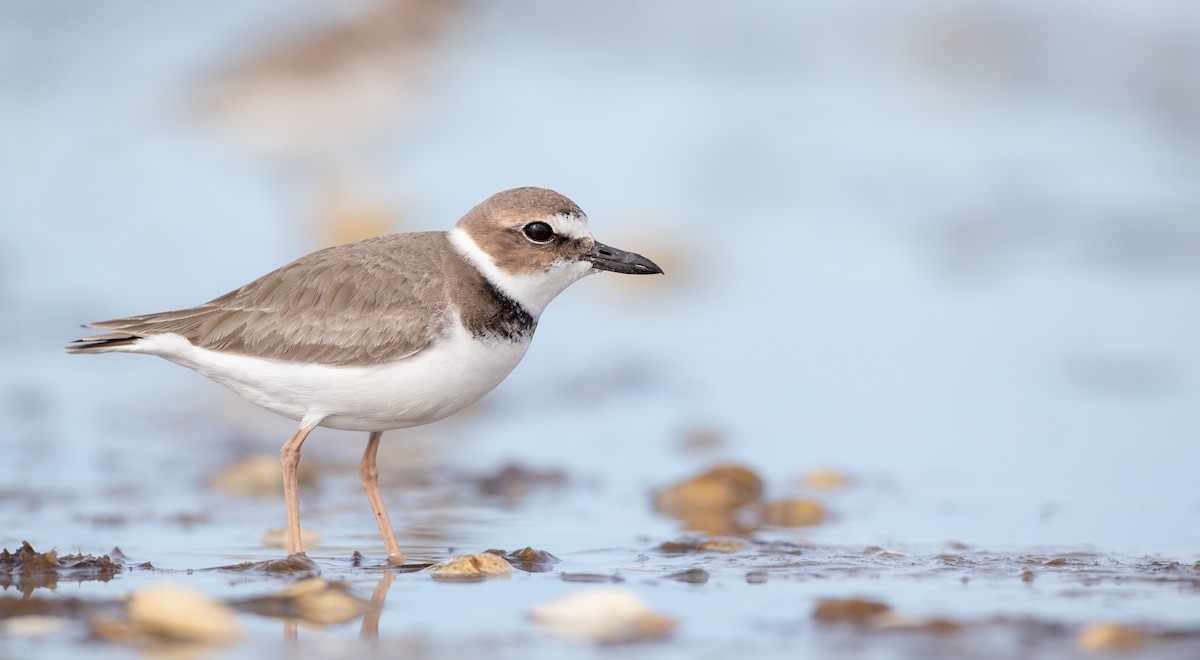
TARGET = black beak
(604,257)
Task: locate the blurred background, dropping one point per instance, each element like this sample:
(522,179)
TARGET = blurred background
(951,251)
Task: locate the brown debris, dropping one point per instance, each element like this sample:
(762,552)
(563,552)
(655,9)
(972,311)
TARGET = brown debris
(27,569)
(297,565)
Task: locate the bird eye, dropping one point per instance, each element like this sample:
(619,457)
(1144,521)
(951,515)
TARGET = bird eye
(538,232)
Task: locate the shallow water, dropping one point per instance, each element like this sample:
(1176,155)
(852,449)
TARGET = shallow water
(951,255)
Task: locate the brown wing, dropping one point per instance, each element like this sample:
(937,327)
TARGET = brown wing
(361,303)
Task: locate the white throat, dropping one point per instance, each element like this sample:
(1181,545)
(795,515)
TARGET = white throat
(532,290)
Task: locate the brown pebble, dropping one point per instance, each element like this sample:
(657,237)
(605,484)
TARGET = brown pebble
(1103,636)
(529,560)
(756,577)
(943,626)
(721,545)
(793,513)
(826,479)
(690,576)
(850,610)
(723,488)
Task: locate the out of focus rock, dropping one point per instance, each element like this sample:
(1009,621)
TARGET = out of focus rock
(33,626)
(702,545)
(278,538)
(891,620)
(792,513)
(1103,636)
(942,626)
(592,578)
(605,615)
(690,576)
(513,481)
(326,90)
(701,439)
(826,479)
(756,577)
(170,613)
(856,611)
(470,567)
(709,502)
(258,476)
(723,488)
(314,601)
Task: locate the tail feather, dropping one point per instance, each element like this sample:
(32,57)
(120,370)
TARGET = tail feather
(127,331)
(113,341)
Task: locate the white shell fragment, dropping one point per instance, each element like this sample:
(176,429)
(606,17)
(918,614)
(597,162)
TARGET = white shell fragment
(606,615)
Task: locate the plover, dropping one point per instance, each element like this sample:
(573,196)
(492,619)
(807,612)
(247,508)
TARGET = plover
(383,333)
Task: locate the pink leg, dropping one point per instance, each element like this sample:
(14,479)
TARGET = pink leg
(370,482)
(290,457)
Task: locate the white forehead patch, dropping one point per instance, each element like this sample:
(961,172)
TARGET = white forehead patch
(570,225)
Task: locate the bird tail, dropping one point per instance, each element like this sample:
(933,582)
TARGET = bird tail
(105,343)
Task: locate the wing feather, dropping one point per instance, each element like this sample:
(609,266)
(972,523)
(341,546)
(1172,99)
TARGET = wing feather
(361,303)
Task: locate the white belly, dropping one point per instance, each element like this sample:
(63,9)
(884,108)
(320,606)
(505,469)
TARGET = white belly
(433,384)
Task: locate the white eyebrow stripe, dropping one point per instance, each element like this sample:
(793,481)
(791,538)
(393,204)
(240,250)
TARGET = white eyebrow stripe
(570,225)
